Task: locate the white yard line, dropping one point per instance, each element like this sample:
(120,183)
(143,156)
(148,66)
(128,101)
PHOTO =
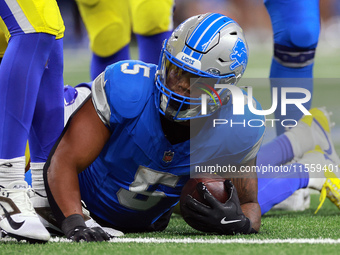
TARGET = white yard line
(216,241)
(202,241)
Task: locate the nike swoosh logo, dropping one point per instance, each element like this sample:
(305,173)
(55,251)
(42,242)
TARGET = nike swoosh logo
(329,150)
(15,225)
(223,221)
(7,164)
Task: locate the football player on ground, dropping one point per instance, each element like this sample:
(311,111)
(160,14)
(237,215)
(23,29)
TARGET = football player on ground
(31,107)
(109,24)
(128,150)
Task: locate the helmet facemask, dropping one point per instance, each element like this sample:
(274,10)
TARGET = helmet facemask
(182,103)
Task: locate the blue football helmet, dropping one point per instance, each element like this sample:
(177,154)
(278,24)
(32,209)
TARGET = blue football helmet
(212,49)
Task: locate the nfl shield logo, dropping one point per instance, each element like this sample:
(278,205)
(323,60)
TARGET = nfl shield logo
(168,156)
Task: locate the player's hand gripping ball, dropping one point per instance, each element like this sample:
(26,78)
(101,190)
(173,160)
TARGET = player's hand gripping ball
(212,205)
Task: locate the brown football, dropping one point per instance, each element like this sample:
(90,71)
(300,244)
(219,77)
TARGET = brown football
(214,185)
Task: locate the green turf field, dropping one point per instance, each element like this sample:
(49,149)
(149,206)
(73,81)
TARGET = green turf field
(281,232)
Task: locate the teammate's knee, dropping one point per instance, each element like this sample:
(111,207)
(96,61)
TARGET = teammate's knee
(298,48)
(304,36)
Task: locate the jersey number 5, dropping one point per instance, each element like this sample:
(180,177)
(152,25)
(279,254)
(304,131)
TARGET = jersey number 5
(138,197)
(135,70)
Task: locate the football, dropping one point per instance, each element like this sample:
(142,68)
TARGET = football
(214,185)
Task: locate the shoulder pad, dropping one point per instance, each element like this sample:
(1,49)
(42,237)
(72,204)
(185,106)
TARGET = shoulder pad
(128,86)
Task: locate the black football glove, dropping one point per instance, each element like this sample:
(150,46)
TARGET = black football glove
(74,228)
(226,218)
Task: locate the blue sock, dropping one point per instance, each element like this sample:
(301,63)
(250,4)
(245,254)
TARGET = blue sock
(276,183)
(98,64)
(272,191)
(150,46)
(276,152)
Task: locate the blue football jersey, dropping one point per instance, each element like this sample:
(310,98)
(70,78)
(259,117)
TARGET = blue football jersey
(139,174)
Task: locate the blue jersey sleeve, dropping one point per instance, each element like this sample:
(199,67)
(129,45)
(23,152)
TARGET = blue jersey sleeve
(122,90)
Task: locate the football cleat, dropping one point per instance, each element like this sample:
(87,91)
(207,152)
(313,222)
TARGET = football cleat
(44,212)
(322,175)
(330,189)
(313,130)
(17,216)
(3,233)
(47,218)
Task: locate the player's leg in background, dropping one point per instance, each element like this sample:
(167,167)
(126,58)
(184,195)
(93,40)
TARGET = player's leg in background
(48,119)
(21,71)
(285,161)
(275,187)
(315,170)
(152,23)
(296,28)
(32,30)
(24,56)
(109,29)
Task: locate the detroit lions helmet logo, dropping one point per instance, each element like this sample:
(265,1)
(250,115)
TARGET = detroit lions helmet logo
(239,55)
